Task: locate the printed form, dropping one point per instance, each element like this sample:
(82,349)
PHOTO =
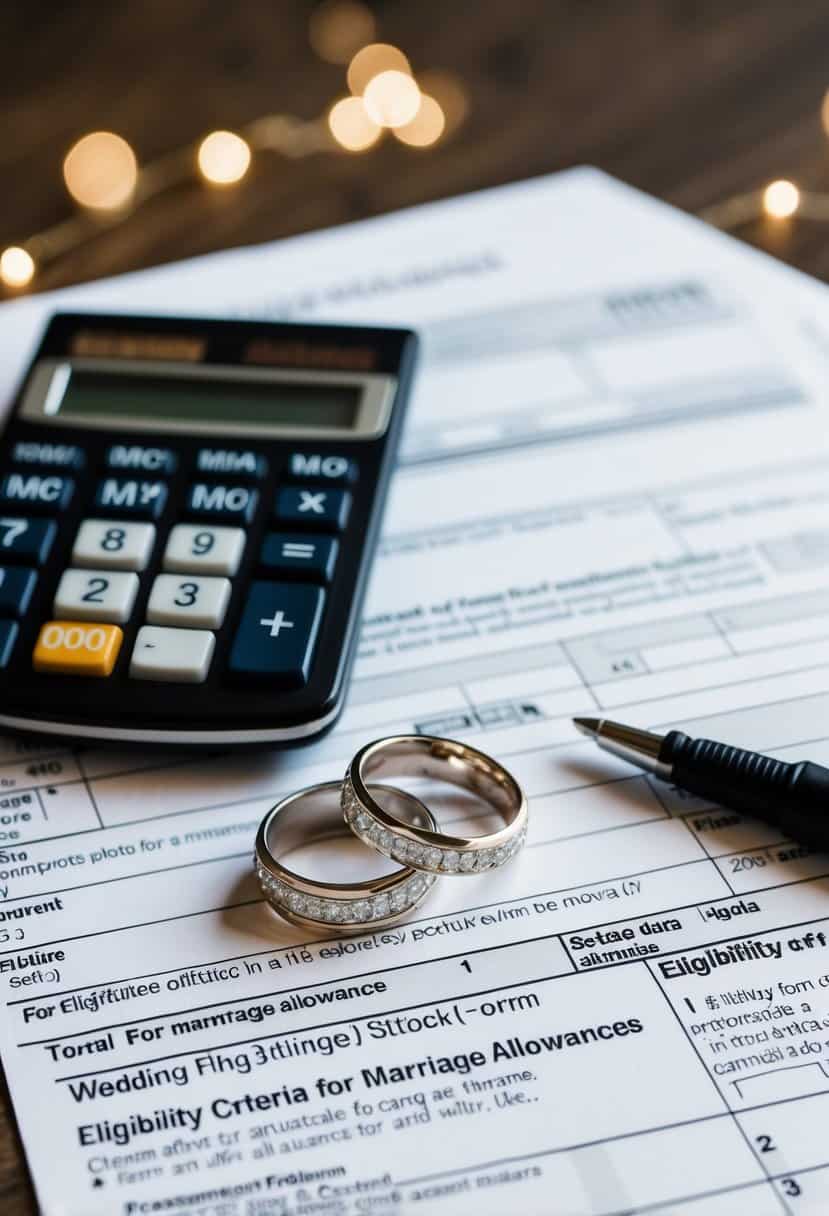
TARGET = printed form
(613,498)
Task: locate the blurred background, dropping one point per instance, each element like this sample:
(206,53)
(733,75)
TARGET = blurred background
(700,102)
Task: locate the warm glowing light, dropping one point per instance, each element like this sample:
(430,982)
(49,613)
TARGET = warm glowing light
(224,158)
(337,28)
(371,61)
(17,267)
(426,127)
(449,93)
(392,99)
(351,126)
(100,171)
(781,199)
(824,113)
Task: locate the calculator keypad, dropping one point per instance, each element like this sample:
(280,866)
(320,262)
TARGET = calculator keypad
(188,603)
(96,595)
(199,603)
(179,656)
(112,544)
(199,549)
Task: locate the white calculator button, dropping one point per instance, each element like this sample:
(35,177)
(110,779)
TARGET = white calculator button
(95,595)
(179,656)
(182,599)
(200,549)
(111,544)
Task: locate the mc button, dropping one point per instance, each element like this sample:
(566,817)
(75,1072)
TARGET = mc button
(36,491)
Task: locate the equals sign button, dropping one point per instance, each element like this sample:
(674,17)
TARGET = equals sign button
(285,553)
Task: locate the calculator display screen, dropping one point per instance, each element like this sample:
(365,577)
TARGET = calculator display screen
(94,394)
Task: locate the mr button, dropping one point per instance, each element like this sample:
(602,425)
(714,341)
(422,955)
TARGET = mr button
(278,631)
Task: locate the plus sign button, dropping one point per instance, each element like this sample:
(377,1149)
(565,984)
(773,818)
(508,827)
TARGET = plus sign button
(278,631)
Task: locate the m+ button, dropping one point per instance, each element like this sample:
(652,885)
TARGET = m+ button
(278,632)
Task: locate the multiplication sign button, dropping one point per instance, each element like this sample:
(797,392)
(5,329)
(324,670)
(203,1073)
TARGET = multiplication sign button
(278,632)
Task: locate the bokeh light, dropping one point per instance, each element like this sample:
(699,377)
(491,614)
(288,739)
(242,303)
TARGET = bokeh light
(781,199)
(223,158)
(17,267)
(426,127)
(371,61)
(101,171)
(392,99)
(351,125)
(338,28)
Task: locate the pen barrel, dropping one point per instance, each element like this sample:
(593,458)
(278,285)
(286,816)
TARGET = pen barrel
(793,797)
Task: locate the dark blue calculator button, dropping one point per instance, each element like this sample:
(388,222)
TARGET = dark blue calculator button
(49,455)
(230,504)
(315,507)
(37,491)
(8,637)
(26,540)
(131,497)
(329,467)
(135,458)
(278,632)
(16,587)
(231,462)
(300,554)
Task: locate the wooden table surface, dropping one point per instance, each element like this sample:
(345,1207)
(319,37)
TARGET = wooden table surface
(692,100)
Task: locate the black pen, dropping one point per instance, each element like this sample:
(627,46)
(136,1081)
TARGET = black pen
(793,797)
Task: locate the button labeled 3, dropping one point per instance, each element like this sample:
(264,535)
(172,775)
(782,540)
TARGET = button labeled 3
(96,595)
(76,648)
(200,603)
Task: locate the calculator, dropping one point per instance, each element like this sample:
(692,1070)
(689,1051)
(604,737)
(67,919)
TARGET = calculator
(188,513)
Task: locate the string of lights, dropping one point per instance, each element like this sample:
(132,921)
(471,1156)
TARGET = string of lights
(104,179)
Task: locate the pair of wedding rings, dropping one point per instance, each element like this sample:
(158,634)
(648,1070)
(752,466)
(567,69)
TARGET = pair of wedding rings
(391,822)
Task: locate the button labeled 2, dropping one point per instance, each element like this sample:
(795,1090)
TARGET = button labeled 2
(75,648)
(96,595)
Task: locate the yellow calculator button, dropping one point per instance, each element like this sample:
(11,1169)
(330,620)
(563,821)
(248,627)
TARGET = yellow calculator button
(77,648)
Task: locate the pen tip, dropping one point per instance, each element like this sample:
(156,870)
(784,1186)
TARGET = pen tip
(588,726)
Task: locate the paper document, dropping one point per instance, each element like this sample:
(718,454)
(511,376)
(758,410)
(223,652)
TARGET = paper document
(613,498)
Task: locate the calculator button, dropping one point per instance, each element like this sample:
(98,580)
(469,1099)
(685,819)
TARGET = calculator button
(198,549)
(26,540)
(75,648)
(234,504)
(96,595)
(179,656)
(132,457)
(278,632)
(49,455)
(8,637)
(111,544)
(313,557)
(141,499)
(200,603)
(314,466)
(231,462)
(320,508)
(16,587)
(39,492)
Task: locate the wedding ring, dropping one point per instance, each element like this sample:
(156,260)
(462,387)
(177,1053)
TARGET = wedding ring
(424,848)
(314,814)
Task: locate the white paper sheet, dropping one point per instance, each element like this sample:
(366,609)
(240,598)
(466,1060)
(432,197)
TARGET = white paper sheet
(613,495)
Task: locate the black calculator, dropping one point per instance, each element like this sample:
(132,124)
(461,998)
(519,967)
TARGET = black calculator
(188,512)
